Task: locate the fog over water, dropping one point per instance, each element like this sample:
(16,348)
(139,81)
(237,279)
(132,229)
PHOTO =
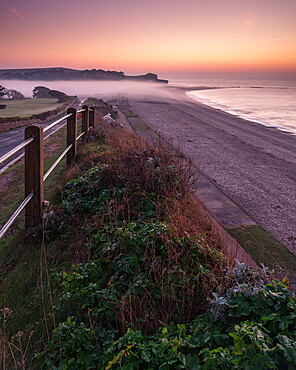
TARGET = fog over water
(269,102)
(100,89)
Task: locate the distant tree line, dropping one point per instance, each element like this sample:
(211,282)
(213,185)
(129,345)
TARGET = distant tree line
(10,94)
(38,92)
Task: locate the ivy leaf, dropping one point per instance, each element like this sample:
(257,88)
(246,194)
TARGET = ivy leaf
(182,358)
(146,356)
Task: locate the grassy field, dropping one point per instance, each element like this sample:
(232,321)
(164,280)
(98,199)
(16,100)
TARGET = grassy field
(27,107)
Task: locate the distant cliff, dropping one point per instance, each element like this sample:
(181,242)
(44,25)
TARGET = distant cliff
(66,74)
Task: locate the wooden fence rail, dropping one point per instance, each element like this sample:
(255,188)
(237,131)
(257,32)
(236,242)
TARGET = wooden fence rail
(34,163)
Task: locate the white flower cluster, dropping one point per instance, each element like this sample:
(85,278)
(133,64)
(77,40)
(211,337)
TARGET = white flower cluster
(247,282)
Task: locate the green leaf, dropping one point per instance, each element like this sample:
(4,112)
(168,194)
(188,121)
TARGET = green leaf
(182,358)
(193,363)
(146,355)
(234,336)
(267,361)
(269,318)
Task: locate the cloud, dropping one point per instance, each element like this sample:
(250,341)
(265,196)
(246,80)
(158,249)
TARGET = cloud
(13,11)
(62,32)
(16,12)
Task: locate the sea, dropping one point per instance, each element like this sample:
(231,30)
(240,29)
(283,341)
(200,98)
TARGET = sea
(270,102)
(267,101)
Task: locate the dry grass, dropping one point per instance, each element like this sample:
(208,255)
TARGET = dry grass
(130,153)
(193,265)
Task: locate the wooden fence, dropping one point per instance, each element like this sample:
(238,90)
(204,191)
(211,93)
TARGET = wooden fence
(34,162)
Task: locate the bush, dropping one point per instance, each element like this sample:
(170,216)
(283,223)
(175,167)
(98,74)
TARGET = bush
(247,338)
(152,293)
(256,338)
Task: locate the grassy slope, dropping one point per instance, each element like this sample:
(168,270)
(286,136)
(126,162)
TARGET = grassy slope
(12,195)
(27,107)
(26,290)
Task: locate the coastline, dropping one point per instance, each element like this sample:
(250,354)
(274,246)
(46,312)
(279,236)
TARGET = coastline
(252,163)
(255,116)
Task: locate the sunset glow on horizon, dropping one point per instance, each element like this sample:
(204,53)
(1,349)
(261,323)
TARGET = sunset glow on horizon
(159,36)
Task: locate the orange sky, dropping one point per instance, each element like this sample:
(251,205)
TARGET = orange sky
(156,35)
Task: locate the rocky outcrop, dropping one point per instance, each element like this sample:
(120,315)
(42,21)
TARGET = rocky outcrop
(152,77)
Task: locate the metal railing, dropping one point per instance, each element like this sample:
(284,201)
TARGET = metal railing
(34,163)
(16,150)
(57,161)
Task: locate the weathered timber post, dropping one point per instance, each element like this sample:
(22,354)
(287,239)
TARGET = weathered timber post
(85,119)
(34,175)
(71,134)
(92,117)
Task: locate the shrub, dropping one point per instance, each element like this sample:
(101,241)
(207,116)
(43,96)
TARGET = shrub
(263,340)
(155,291)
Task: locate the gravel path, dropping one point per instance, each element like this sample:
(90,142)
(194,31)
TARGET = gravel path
(253,164)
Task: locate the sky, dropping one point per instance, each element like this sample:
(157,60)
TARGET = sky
(137,36)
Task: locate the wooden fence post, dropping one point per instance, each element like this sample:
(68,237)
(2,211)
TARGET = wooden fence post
(71,134)
(92,117)
(34,175)
(85,119)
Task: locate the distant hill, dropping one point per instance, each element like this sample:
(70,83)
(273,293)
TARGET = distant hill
(66,74)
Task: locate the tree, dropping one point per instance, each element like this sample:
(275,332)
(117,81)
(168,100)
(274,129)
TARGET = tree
(62,97)
(2,91)
(41,92)
(14,94)
(45,92)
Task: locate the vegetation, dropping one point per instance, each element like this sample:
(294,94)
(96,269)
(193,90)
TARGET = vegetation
(14,94)
(12,194)
(263,247)
(11,94)
(2,91)
(28,107)
(44,92)
(132,276)
(136,123)
(17,110)
(257,241)
(19,113)
(102,108)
